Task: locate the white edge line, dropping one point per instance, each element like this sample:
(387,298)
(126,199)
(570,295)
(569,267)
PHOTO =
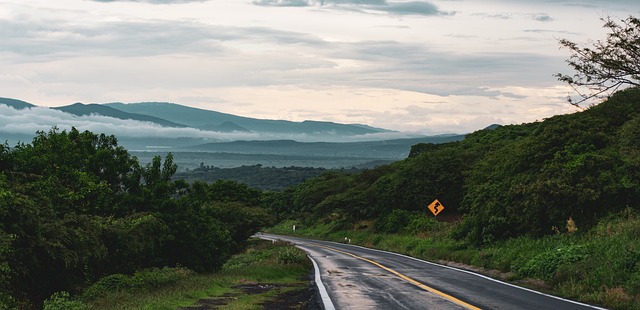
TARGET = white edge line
(326,300)
(460,270)
(478,275)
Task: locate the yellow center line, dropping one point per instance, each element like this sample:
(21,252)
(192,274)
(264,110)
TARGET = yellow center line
(402,276)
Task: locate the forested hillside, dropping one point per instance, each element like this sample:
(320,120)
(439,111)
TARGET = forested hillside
(509,181)
(76,207)
(255,176)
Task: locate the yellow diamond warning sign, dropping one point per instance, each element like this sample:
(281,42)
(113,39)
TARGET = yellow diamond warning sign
(436,207)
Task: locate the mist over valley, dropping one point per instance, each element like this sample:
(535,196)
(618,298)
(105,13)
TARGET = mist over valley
(197,136)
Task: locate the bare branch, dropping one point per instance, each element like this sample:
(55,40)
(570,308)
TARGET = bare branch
(608,65)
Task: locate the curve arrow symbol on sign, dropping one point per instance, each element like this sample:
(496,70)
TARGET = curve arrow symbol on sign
(436,207)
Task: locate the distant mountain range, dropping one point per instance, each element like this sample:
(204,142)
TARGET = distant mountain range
(216,121)
(182,128)
(179,116)
(80,109)
(16,104)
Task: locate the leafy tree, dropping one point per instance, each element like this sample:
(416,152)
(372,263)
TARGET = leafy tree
(4,157)
(158,186)
(436,173)
(351,205)
(6,248)
(209,221)
(310,194)
(230,191)
(198,239)
(134,242)
(393,222)
(280,204)
(567,166)
(608,65)
(77,169)
(52,250)
(240,219)
(75,207)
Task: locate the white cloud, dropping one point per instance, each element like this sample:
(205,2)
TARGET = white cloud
(154,1)
(362,6)
(283,2)
(409,8)
(27,122)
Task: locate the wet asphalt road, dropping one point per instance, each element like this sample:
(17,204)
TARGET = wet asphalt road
(359,278)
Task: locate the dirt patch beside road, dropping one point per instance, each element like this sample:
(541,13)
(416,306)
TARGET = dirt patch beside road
(290,297)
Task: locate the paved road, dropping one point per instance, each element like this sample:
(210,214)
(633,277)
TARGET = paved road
(359,278)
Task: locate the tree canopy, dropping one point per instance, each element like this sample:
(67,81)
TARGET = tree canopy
(606,66)
(75,207)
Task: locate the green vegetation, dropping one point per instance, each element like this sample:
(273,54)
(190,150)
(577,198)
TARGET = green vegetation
(546,200)
(507,182)
(255,176)
(264,273)
(552,204)
(598,267)
(608,65)
(259,275)
(75,207)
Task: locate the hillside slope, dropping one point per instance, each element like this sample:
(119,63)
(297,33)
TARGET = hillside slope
(553,205)
(16,104)
(510,181)
(81,109)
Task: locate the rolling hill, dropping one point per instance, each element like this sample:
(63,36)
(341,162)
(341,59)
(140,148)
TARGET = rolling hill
(16,104)
(207,119)
(81,109)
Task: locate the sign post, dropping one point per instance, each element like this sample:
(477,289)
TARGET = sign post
(436,207)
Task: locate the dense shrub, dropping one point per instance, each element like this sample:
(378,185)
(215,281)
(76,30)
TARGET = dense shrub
(291,255)
(393,222)
(76,207)
(143,279)
(62,301)
(546,264)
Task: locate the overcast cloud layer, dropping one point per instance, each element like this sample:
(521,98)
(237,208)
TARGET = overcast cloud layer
(414,66)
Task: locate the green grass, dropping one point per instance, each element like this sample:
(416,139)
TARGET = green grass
(600,266)
(263,262)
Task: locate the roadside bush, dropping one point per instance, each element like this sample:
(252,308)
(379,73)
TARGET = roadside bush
(393,222)
(246,259)
(110,283)
(291,255)
(147,278)
(633,285)
(157,277)
(404,222)
(421,223)
(62,301)
(545,264)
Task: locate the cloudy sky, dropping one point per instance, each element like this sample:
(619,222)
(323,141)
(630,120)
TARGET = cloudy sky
(438,66)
